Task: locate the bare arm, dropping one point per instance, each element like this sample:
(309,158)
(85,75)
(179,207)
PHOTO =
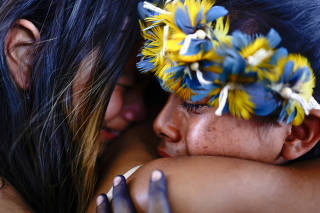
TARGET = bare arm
(215,184)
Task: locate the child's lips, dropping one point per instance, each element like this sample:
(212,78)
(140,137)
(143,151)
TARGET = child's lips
(108,134)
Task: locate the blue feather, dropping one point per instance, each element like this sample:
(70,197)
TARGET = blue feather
(174,69)
(207,46)
(279,53)
(199,17)
(296,77)
(215,13)
(196,98)
(292,116)
(274,38)
(213,98)
(288,68)
(144,65)
(233,63)
(193,83)
(195,47)
(240,40)
(263,99)
(182,20)
(307,73)
(143,12)
(210,76)
(207,63)
(283,113)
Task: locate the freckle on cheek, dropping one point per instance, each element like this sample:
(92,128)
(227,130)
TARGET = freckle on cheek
(205,147)
(211,129)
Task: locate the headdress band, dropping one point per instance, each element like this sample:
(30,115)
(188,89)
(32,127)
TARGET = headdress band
(189,48)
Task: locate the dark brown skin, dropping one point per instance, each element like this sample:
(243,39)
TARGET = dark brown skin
(217,184)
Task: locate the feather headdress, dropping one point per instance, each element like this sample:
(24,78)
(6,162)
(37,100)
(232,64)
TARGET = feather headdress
(189,48)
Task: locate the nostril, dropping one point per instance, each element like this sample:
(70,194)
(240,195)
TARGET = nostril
(163,135)
(170,133)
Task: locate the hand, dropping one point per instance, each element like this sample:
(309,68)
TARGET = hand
(157,203)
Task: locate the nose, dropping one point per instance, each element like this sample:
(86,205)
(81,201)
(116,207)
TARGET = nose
(166,125)
(134,108)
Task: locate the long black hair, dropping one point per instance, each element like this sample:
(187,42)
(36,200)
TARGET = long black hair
(47,151)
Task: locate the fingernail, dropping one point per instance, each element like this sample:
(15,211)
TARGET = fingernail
(116,181)
(100,200)
(156,175)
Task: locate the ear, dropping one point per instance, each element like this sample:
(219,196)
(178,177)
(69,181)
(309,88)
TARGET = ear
(19,51)
(302,138)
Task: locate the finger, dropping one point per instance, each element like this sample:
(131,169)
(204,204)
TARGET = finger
(121,198)
(103,205)
(158,198)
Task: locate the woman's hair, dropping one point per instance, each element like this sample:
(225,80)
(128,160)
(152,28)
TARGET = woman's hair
(48,150)
(297,21)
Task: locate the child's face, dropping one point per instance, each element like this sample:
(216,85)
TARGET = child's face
(126,103)
(196,130)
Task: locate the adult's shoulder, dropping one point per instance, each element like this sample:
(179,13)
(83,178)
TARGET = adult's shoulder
(11,201)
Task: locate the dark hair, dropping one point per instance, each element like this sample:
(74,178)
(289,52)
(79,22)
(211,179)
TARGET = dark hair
(297,21)
(47,151)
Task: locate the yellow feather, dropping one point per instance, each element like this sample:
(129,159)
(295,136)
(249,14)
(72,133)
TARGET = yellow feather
(306,88)
(240,105)
(193,8)
(215,102)
(221,30)
(297,121)
(214,69)
(251,49)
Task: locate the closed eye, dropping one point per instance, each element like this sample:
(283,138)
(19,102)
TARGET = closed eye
(193,108)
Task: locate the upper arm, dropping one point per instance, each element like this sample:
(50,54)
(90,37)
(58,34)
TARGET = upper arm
(215,184)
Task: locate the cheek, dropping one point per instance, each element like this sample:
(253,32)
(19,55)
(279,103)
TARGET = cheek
(273,140)
(115,105)
(200,140)
(220,136)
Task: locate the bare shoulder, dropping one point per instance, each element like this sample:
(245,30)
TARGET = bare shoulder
(206,184)
(11,201)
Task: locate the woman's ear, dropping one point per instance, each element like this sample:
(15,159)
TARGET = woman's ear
(19,48)
(302,138)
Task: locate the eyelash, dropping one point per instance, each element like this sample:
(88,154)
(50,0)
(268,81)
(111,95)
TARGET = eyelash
(193,107)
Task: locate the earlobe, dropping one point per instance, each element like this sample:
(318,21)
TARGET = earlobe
(19,47)
(302,138)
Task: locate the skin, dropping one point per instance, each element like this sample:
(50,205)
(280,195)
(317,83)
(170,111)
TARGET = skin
(189,129)
(126,104)
(194,129)
(10,200)
(125,107)
(188,177)
(258,187)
